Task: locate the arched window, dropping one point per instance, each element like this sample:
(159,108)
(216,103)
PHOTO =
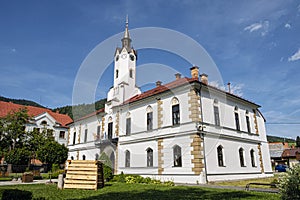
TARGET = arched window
(83,157)
(177,156)
(128,124)
(149,118)
(175,111)
(72,158)
(96,156)
(117,73)
(236,117)
(149,157)
(241,155)
(248,122)
(44,123)
(252,156)
(216,113)
(127,158)
(110,128)
(220,156)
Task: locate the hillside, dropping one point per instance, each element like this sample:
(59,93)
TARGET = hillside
(271,138)
(81,110)
(21,102)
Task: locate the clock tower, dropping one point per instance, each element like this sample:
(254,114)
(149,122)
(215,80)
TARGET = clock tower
(124,72)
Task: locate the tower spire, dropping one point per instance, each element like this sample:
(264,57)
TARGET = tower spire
(126,39)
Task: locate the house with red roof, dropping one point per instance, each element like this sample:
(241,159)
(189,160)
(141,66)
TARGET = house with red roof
(41,118)
(186,131)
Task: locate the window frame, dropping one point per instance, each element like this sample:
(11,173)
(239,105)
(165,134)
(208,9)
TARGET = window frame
(60,134)
(74,138)
(252,158)
(177,156)
(127,158)
(242,157)
(149,157)
(220,156)
(237,119)
(110,130)
(128,126)
(85,135)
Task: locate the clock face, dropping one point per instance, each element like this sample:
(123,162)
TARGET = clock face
(124,56)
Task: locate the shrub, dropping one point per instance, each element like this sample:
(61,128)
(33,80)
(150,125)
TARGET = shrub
(139,179)
(15,194)
(289,184)
(107,167)
(56,173)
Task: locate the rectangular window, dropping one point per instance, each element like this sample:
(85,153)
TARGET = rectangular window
(237,122)
(62,134)
(74,138)
(128,126)
(217,117)
(149,121)
(175,114)
(98,132)
(110,130)
(85,135)
(248,124)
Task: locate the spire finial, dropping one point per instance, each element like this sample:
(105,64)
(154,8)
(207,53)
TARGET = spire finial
(126,39)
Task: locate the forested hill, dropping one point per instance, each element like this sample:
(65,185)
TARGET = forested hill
(271,138)
(81,109)
(21,102)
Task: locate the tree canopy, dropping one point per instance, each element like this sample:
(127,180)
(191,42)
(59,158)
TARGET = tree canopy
(19,146)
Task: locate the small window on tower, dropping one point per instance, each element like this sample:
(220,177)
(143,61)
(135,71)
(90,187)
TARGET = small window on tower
(131,73)
(132,57)
(117,73)
(117,57)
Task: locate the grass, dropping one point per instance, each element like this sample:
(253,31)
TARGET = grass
(243,183)
(139,191)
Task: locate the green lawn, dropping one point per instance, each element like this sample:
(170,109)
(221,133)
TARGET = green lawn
(243,183)
(139,191)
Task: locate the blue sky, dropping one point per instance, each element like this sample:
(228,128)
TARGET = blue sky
(255,44)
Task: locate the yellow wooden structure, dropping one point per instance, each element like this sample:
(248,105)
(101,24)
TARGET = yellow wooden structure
(84,174)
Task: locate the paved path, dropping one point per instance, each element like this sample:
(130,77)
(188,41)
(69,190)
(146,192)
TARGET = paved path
(34,182)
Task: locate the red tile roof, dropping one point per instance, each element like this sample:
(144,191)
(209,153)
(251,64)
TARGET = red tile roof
(161,88)
(174,84)
(7,107)
(290,152)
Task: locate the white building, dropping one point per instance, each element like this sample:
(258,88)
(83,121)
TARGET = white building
(41,118)
(186,130)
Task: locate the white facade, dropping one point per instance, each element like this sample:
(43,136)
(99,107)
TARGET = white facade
(46,121)
(185,131)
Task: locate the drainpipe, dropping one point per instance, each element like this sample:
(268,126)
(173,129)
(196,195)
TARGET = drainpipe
(202,134)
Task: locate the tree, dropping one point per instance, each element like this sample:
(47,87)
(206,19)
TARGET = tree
(298,141)
(13,130)
(52,153)
(289,184)
(107,166)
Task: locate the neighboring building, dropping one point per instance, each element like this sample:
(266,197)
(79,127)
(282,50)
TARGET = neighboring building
(41,118)
(292,156)
(186,131)
(276,150)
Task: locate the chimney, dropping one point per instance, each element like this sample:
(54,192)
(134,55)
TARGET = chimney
(195,72)
(158,83)
(178,76)
(204,79)
(229,89)
(57,111)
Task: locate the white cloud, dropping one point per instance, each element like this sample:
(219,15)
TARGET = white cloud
(13,50)
(288,26)
(262,26)
(295,57)
(253,27)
